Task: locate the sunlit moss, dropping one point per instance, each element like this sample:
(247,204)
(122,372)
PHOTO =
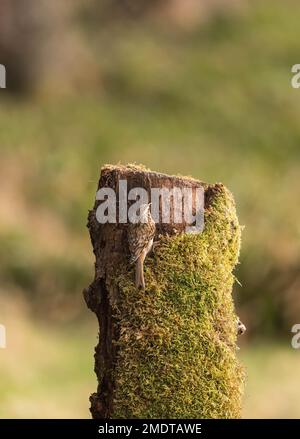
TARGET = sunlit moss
(177,343)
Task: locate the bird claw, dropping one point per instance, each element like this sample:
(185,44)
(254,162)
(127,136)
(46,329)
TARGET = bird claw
(155,245)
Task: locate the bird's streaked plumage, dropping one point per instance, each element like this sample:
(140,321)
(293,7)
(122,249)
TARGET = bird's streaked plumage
(140,240)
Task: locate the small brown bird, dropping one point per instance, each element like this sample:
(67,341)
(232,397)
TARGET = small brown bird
(241,328)
(140,240)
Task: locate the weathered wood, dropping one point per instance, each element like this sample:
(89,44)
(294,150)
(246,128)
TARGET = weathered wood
(111,251)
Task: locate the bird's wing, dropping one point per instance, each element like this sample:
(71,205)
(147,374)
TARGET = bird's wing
(139,236)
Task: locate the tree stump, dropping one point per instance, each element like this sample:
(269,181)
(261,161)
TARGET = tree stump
(168,351)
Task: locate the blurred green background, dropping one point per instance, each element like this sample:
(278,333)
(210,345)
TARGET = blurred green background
(196,87)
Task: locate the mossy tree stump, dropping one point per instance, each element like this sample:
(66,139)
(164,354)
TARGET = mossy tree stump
(168,351)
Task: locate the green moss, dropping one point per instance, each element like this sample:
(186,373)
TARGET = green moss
(177,344)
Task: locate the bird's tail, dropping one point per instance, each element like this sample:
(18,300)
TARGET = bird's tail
(139,273)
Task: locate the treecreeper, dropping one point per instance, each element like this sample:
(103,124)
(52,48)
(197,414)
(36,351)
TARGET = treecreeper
(140,239)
